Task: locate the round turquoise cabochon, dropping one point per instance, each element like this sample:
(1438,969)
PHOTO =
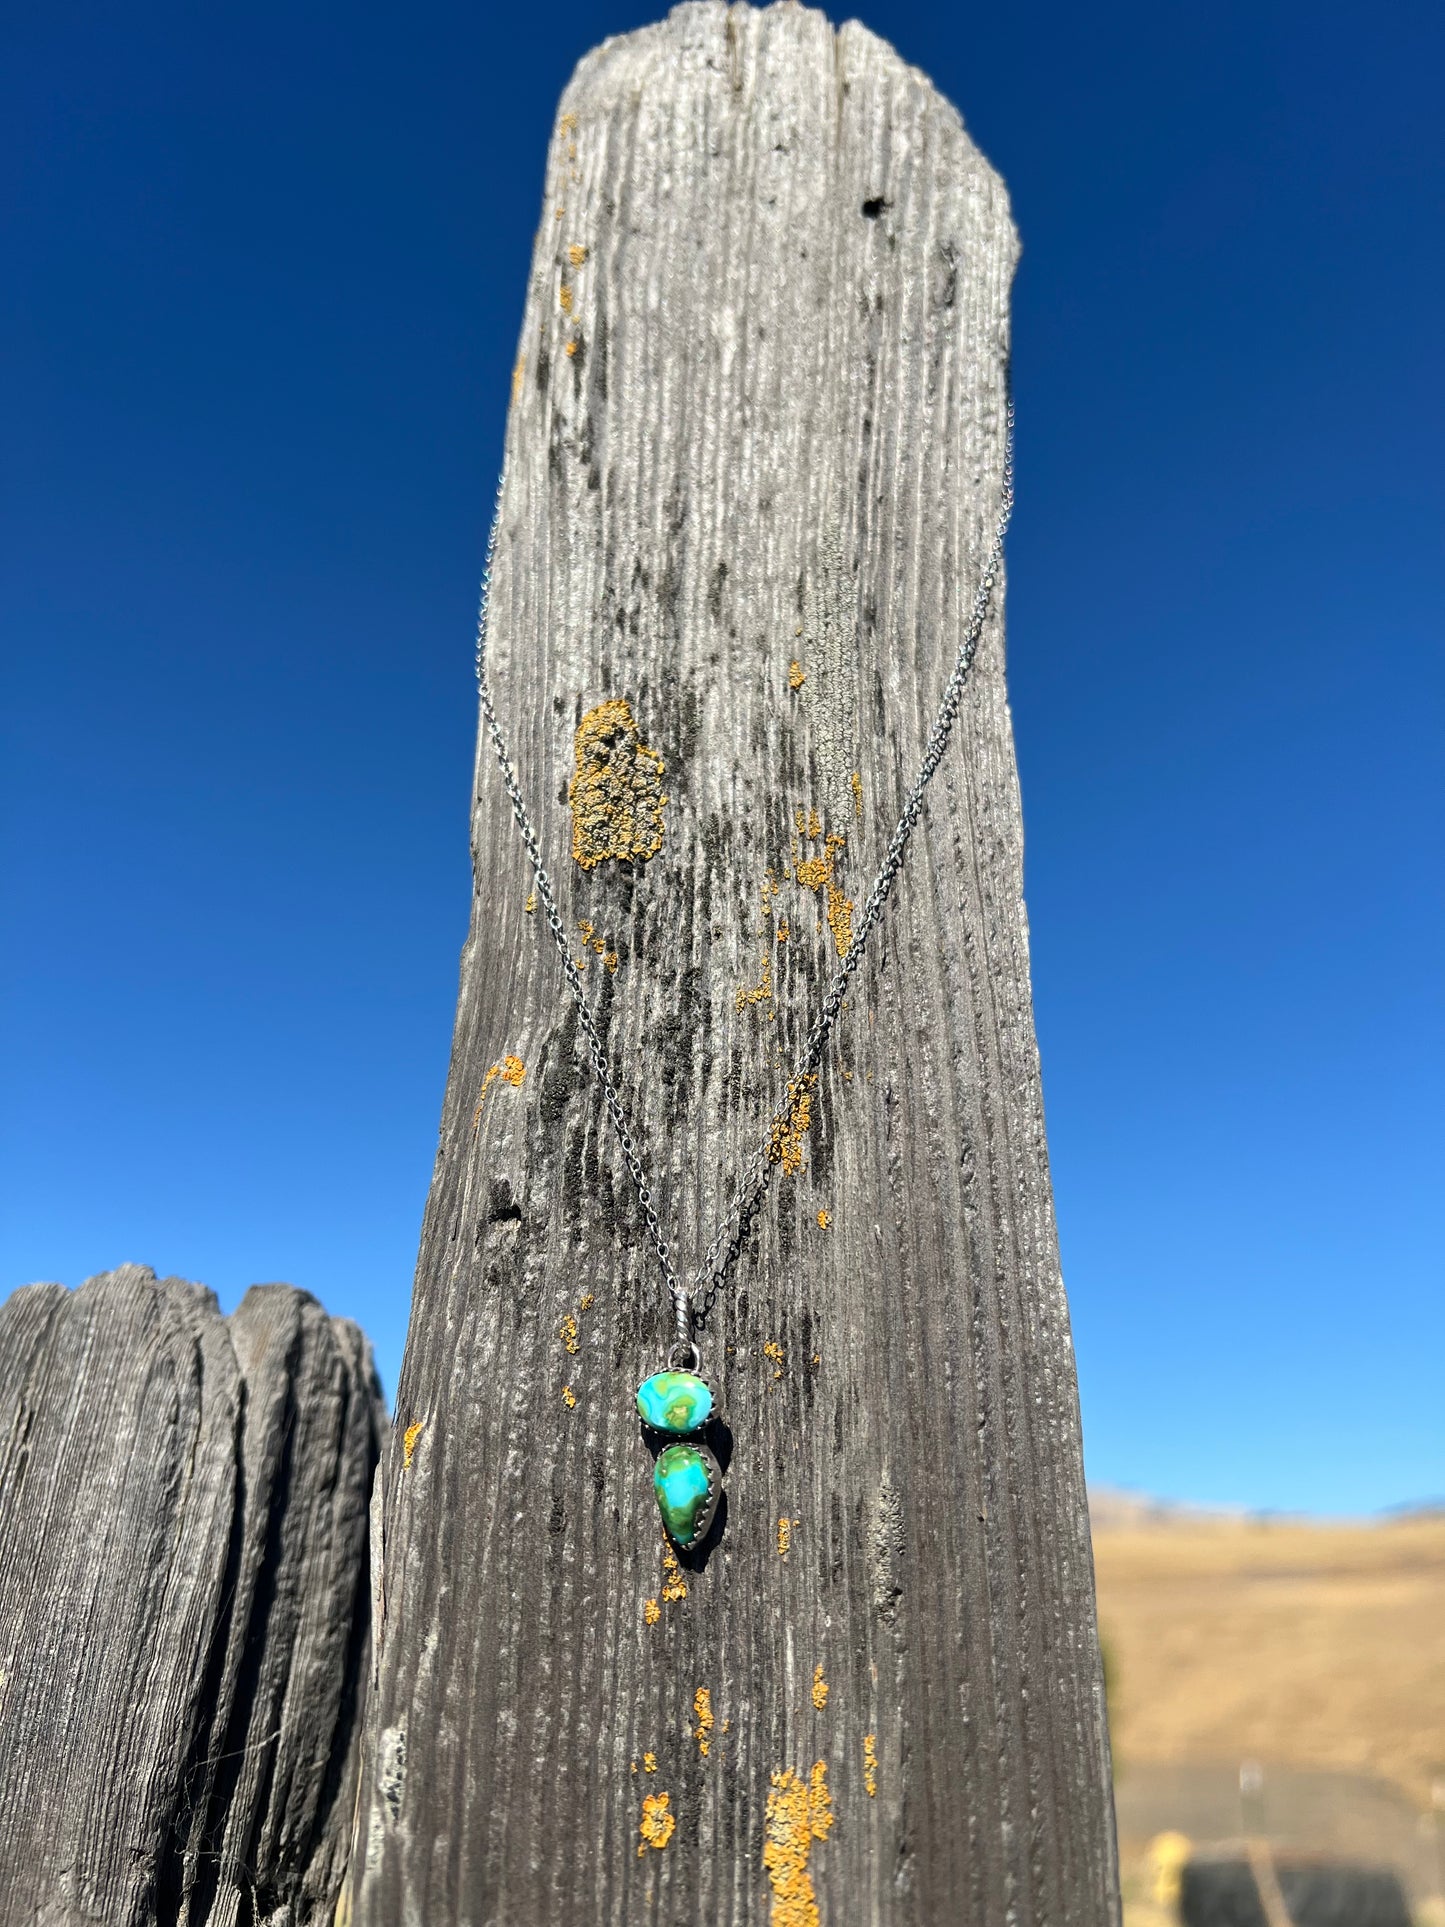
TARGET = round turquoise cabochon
(674,1401)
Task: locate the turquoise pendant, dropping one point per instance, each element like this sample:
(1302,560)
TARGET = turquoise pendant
(687,1478)
(674,1402)
(688,1484)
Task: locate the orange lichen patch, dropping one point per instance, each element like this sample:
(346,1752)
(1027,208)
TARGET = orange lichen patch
(840,921)
(576,254)
(649,1763)
(783,932)
(408,1441)
(820,1800)
(797,675)
(790,1125)
(702,1713)
(760,992)
(609,963)
(856,780)
(567,1332)
(569,1398)
(825,1220)
(870,1765)
(799,1812)
(616,794)
(821,873)
(564,297)
(657,1823)
(807,822)
(591,938)
(651,1612)
(820,1687)
(517,374)
(674,1586)
(774,1351)
(570,349)
(511,1070)
(785,1536)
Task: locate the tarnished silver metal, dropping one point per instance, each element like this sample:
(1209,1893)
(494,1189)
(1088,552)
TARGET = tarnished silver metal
(692,1302)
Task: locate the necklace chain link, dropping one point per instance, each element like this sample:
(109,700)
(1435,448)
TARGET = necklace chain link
(692,1303)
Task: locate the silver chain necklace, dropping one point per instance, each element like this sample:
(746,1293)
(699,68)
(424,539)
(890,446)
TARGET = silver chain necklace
(678,1401)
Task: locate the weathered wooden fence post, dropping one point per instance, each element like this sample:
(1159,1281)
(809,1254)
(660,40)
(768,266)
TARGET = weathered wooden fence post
(753,469)
(183,1603)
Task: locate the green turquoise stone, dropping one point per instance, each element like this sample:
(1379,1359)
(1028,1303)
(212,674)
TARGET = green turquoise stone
(686,1480)
(674,1401)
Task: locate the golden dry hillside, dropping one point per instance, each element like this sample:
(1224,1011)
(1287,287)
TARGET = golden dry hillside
(1313,1651)
(1313,1645)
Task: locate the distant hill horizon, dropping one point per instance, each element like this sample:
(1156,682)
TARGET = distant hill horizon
(1113,1507)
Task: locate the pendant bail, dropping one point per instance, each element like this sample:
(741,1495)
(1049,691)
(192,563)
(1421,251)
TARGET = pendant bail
(684,1356)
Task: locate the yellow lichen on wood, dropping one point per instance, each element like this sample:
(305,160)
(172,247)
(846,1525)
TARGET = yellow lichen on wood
(567,1332)
(820,1800)
(674,1586)
(569,1398)
(651,1612)
(790,1125)
(799,1812)
(856,781)
(530,905)
(649,1763)
(567,125)
(408,1442)
(586,1301)
(774,1351)
(820,1687)
(616,794)
(824,1220)
(517,373)
(576,254)
(564,298)
(821,873)
(657,1822)
(702,1713)
(511,1071)
(571,347)
(760,992)
(870,1765)
(785,1536)
(797,675)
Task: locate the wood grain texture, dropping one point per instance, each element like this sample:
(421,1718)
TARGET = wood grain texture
(756,423)
(183,1602)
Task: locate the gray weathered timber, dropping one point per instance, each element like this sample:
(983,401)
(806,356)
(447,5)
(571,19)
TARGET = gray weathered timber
(183,1602)
(753,462)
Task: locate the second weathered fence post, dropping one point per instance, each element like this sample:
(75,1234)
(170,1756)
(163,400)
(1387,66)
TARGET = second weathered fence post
(753,471)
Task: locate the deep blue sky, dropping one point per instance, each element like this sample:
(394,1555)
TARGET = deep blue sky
(263,274)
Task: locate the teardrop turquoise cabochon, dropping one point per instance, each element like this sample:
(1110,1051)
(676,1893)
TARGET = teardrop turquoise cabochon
(674,1401)
(685,1480)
